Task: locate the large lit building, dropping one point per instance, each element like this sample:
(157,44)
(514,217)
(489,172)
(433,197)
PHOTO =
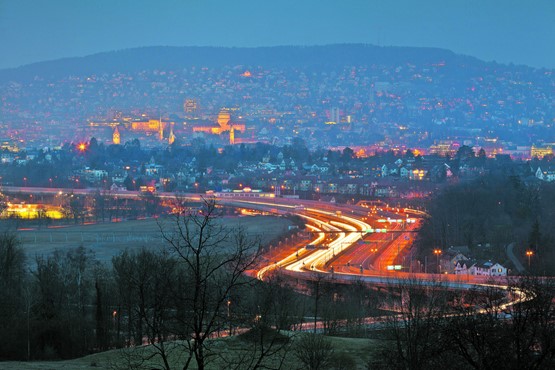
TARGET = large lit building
(540,151)
(151,125)
(224,125)
(32,211)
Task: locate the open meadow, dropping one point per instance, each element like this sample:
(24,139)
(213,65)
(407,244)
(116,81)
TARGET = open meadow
(350,353)
(109,239)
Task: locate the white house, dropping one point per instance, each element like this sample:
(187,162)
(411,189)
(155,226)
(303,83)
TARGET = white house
(545,175)
(388,170)
(483,268)
(450,259)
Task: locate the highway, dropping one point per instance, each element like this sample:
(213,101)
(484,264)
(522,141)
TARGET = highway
(350,243)
(345,253)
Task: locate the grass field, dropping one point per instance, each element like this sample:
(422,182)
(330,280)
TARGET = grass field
(109,239)
(355,351)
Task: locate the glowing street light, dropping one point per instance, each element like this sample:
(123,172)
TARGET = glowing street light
(438,252)
(229,315)
(82,147)
(529,254)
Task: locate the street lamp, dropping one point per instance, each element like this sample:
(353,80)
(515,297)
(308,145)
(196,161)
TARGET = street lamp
(229,315)
(438,252)
(529,253)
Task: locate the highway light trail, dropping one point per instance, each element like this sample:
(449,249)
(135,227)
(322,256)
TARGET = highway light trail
(292,257)
(317,260)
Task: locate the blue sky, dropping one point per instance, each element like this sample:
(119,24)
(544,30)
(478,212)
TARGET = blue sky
(518,31)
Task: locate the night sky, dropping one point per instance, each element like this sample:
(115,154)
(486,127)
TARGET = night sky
(517,31)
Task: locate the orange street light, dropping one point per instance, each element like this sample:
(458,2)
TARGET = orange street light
(82,147)
(529,254)
(438,252)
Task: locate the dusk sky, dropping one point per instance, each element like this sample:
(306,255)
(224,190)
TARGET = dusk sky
(518,31)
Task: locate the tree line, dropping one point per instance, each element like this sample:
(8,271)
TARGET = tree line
(496,209)
(176,298)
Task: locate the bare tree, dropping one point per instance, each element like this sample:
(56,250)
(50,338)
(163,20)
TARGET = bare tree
(489,333)
(13,281)
(269,307)
(314,351)
(145,282)
(64,284)
(214,260)
(415,326)
(321,286)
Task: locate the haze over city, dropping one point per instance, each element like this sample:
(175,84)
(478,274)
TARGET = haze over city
(245,185)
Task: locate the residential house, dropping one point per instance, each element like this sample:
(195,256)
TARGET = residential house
(480,268)
(547,174)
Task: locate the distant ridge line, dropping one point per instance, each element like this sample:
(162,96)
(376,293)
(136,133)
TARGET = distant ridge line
(175,57)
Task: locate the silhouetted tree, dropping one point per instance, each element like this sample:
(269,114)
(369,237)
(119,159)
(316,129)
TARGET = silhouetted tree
(214,260)
(314,351)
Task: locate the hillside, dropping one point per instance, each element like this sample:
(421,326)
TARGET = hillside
(164,57)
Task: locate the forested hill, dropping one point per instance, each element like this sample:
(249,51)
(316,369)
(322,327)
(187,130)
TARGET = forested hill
(171,58)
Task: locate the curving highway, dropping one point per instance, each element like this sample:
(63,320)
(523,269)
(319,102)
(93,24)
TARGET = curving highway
(350,242)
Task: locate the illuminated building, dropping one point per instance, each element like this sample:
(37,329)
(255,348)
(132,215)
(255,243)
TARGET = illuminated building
(417,174)
(443,148)
(9,145)
(540,151)
(152,125)
(116,138)
(190,106)
(161,130)
(32,211)
(171,137)
(224,125)
(232,136)
(223,119)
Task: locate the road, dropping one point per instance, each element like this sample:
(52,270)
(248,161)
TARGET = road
(337,249)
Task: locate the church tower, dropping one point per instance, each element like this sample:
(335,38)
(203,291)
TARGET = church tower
(161,129)
(232,136)
(116,138)
(171,138)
